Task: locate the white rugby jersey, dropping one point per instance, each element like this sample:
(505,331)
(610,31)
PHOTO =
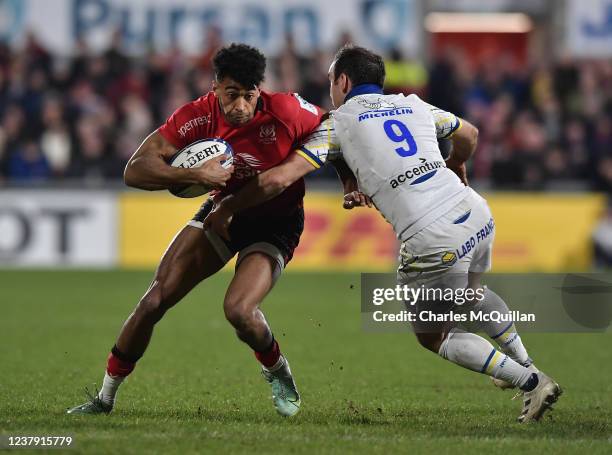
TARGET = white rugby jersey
(390,144)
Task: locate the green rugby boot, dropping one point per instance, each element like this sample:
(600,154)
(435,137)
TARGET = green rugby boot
(284,392)
(94,405)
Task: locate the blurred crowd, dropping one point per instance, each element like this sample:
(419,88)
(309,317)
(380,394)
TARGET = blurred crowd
(81,117)
(540,125)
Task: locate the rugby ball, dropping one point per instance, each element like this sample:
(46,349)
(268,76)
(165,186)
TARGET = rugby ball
(194,156)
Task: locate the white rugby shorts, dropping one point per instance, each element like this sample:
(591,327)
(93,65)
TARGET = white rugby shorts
(458,242)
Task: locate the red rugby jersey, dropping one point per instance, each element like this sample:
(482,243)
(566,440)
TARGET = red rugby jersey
(281,122)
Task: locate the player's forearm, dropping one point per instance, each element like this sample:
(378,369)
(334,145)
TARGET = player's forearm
(346,176)
(464,142)
(258,190)
(153,173)
(268,184)
(148,169)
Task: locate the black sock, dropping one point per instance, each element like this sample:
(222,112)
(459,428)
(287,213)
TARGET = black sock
(121,356)
(531,383)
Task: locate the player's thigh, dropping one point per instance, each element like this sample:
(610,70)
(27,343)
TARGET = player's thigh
(481,232)
(457,243)
(189,259)
(433,263)
(432,258)
(255,276)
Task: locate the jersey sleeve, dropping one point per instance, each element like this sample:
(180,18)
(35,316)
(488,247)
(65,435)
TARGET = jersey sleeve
(447,123)
(321,145)
(185,126)
(307,118)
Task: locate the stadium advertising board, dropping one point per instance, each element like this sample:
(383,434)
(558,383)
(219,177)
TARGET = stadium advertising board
(106,229)
(534,232)
(544,232)
(379,24)
(589,28)
(49,228)
(333,238)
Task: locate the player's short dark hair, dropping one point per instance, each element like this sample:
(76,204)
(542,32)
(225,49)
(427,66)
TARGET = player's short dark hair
(360,65)
(240,62)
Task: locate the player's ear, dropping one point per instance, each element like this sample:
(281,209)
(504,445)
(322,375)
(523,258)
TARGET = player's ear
(345,83)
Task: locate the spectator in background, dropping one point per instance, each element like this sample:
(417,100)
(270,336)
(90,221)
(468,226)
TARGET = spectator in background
(177,95)
(529,145)
(115,58)
(604,174)
(11,136)
(36,54)
(556,165)
(404,76)
(315,87)
(289,67)
(446,88)
(211,44)
(93,161)
(28,164)
(566,76)
(539,124)
(157,74)
(55,140)
(136,124)
(576,142)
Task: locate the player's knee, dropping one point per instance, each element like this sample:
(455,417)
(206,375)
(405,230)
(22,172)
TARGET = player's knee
(431,341)
(153,304)
(238,312)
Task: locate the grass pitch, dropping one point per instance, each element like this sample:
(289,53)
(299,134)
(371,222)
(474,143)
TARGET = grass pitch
(198,389)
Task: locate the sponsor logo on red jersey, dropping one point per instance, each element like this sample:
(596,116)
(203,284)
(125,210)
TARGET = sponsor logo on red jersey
(192,123)
(267,133)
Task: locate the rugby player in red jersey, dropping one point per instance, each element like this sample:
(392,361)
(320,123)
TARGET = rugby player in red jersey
(263,129)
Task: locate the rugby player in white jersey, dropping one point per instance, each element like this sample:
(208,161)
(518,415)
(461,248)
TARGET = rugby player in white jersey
(446,229)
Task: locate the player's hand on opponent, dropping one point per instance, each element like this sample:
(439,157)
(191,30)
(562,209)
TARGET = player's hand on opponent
(356,199)
(213,174)
(459,169)
(219,220)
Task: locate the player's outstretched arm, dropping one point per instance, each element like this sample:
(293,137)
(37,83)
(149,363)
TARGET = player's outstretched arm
(352,196)
(148,168)
(265,186)
(464,142)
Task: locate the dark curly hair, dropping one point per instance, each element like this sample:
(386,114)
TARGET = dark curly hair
(240,62)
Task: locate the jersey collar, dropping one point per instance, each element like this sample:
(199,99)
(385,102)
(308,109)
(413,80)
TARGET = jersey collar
(363,89)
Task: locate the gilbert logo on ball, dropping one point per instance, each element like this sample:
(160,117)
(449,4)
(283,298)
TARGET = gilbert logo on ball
(195,155)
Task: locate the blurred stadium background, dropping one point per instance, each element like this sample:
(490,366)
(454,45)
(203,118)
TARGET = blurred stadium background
(82,82)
